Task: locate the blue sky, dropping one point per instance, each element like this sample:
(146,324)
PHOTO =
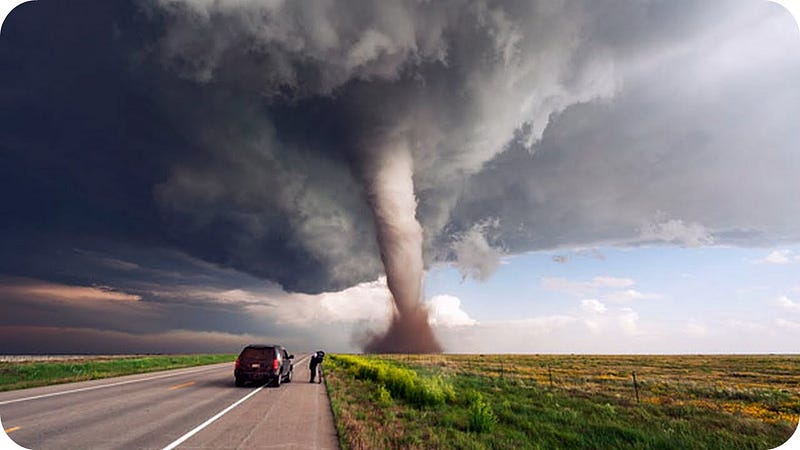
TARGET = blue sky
(696,297)
(710,279)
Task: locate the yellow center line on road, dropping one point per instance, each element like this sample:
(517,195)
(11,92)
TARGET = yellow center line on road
(9,430)
(178,386)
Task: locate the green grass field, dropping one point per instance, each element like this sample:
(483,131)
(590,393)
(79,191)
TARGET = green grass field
(18,375)
(553,402)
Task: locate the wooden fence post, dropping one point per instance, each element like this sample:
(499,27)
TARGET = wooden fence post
(550,373)
(636,387)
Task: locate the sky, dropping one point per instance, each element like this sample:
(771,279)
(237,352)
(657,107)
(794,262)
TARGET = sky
(589,177)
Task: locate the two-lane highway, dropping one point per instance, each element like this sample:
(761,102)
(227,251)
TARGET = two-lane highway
(185,408)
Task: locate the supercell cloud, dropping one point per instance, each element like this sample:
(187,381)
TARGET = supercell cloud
(318,145)
(391,93)
(299,102)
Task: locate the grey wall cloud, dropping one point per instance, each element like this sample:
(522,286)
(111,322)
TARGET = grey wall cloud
(460,79)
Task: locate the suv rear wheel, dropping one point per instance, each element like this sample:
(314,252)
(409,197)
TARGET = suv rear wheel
(239,382)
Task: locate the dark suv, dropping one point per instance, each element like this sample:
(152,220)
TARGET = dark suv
(264,363)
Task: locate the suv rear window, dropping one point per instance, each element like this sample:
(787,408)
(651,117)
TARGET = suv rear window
(258,353)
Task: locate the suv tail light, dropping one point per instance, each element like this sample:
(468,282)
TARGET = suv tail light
(236,364)
(276,364)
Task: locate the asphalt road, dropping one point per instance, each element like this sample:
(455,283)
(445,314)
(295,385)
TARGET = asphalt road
(186,408)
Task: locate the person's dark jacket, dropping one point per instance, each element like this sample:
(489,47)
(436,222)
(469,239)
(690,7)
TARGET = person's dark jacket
(317,358)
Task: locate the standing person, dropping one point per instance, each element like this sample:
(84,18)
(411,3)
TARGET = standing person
(316,360)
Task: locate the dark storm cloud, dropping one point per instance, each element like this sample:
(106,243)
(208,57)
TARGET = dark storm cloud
(141,140)
(304,95)
(236,132)
(655,112)
(699,147)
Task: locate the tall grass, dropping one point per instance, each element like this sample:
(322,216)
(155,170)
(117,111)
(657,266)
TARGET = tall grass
(481,415)
(402,383)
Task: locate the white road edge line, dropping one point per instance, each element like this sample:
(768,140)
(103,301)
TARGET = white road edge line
(91,388)
(208,422)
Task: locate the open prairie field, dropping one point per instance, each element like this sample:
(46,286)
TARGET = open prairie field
(564,401)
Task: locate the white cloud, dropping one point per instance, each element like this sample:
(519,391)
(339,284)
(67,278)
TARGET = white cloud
(368,301)
(786,303)
(783,323)
(446,311)
(627,295)
(241,296)
(780,257)
(676,231)
(593,306)
(586,329)
(218,296)
(612,282)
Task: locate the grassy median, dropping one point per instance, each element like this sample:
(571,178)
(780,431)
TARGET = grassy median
(564,402)
(19,375)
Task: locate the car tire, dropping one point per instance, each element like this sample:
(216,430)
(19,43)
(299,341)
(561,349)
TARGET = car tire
(289,376)
(239,382)
(277,382)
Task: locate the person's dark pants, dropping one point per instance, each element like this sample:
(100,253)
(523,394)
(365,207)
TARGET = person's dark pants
(313,369)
